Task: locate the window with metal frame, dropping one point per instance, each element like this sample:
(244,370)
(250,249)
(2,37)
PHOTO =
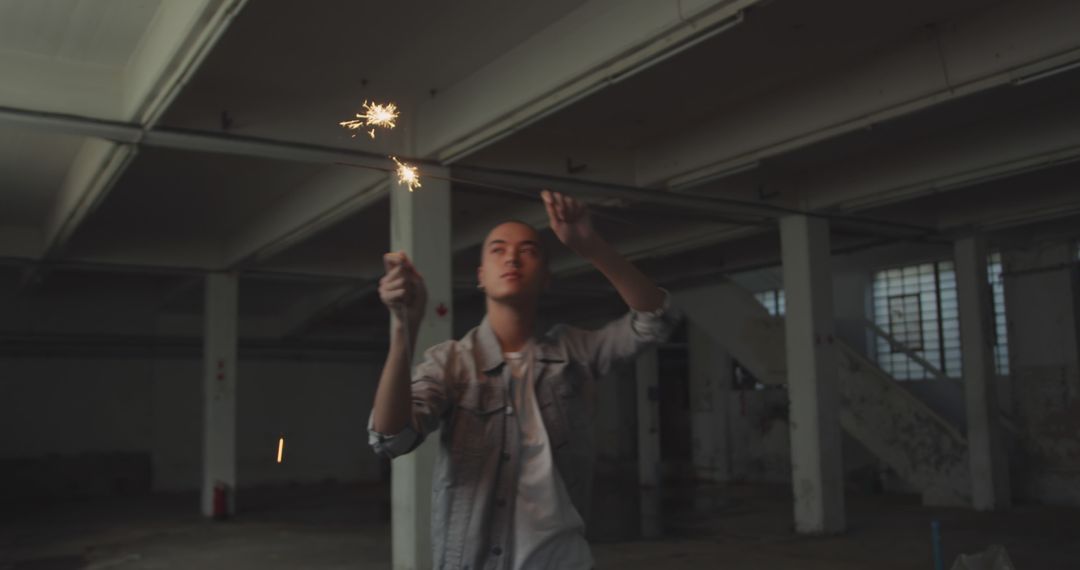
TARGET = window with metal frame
(773,301)
(917,306)
(906,321)
(1001,335)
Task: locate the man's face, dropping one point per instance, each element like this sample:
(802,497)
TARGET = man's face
(512,267)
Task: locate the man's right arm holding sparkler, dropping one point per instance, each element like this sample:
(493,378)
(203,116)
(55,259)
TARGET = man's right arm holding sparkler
(396,418)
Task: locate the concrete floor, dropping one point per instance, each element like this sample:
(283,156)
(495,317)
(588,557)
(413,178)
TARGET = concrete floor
(331,527)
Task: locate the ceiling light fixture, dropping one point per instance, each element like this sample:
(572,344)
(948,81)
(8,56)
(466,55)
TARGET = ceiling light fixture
(1057,69)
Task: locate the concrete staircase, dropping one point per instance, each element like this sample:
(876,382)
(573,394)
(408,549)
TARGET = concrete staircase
(921,447)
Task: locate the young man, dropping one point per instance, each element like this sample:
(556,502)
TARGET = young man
(513,474)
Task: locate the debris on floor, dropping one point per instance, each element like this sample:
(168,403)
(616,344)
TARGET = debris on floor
(993,558)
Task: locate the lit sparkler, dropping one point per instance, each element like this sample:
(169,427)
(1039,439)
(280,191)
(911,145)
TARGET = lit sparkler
(407,174)
(280,447)
(374,115)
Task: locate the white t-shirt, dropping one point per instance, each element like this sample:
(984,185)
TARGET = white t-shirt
(548,531)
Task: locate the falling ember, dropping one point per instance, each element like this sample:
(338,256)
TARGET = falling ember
(406,174)
(374,115)
(280,447)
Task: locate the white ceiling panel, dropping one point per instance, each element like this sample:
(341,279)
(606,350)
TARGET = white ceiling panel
(92,32)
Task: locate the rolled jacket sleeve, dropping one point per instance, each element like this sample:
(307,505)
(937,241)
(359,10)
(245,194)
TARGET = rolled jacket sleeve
(430,401)
(391,445)
(622,339)
(657,325)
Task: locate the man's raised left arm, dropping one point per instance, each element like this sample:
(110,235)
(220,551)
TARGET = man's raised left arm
(651,319)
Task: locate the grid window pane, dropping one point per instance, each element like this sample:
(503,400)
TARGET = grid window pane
(917,306)
(905,320)
(772,300)
(1001,335)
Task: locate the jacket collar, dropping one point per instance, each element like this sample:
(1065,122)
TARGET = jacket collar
(489,355)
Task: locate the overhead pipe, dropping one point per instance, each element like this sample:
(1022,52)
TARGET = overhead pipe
(203,141)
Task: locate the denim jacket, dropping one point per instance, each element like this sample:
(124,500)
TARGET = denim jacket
(462,387)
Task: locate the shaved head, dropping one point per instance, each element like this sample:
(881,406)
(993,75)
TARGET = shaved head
(492,234)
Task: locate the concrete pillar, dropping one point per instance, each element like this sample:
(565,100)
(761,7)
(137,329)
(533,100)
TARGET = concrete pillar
(648,406)
(816,446)
(219,389)
(710,390)
(420,226)
(986,450)
(1042,301)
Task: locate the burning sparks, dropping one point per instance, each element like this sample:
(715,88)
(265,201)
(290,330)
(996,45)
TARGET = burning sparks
(406,174)
(383,116)
(280,447)
(374,115)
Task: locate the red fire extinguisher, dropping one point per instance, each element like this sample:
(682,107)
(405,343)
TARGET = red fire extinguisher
(221,500)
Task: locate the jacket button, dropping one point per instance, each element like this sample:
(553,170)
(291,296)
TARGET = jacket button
(509,410)
(496,551)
